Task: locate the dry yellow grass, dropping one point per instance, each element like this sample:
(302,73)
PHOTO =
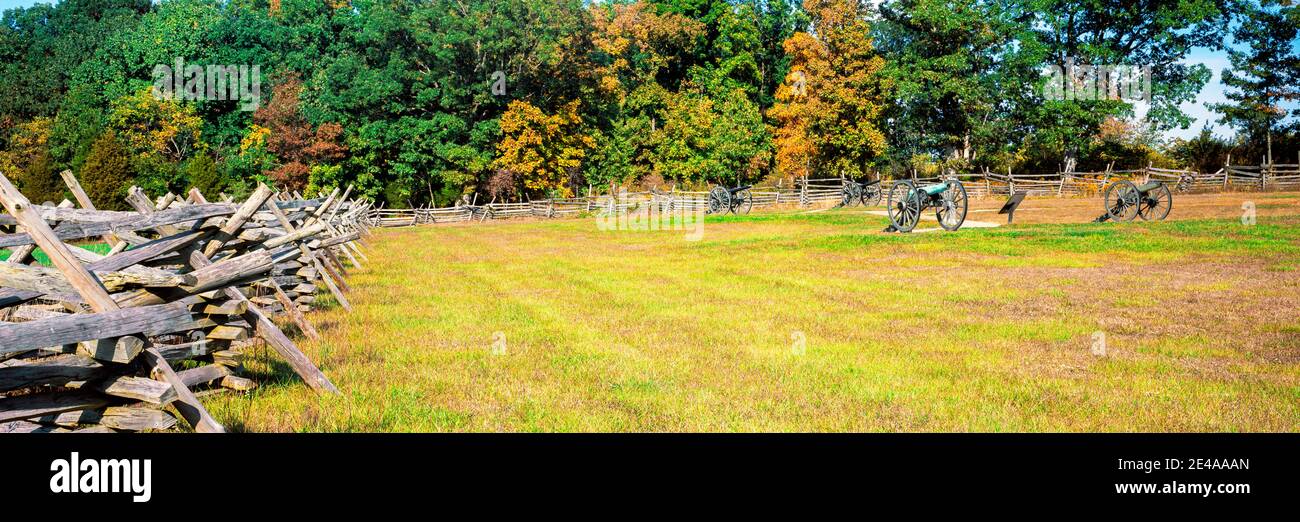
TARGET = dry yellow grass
(979,330)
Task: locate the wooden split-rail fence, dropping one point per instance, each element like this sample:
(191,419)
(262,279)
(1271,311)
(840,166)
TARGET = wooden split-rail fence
(129,340)
(829,191)
(804,193)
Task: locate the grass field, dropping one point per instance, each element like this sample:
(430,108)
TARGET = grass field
(810,322)
(41,258)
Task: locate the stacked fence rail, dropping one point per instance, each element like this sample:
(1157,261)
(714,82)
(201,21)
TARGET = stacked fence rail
(128,340)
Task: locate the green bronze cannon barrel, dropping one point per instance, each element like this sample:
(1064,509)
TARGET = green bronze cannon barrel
(934,190)
(907,202)
(1149,186)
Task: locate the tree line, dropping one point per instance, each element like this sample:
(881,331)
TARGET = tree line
(420,102)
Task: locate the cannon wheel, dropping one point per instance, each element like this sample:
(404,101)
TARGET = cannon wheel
(1122,200)
(744,202)
(1156,204)
(904,206)
(852,193)
(952,213)
(719,200)
(871,195)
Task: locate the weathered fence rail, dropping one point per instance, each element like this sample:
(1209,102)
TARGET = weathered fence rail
(128,341)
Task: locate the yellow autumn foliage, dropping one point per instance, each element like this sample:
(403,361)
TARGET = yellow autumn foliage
(639,41)
(542,150)
(828,108)
(149,127)
(255,139)
(27,141)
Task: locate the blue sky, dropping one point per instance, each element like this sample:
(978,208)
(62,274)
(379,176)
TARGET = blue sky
(1212,93)
(1217,61)
(8,4)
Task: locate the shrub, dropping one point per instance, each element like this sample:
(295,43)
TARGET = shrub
(202,173)
(39,182)
(107,173)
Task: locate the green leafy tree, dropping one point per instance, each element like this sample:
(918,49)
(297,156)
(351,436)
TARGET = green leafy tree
(411,96)
(1205,152)
(412,84)
(323,178)
(45,44)
(247,165)
(958,75)
(1265,74)
(711,135)
(615,158)
(80,122)
(1158,34)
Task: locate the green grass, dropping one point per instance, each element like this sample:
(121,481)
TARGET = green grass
(980,330)
(43,259)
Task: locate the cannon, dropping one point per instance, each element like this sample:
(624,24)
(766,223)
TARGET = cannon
(1124,201)
(736,200)
(907,201)
(867,193)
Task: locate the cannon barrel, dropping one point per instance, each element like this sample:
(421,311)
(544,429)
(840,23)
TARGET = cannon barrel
(934,190)
(1148,187)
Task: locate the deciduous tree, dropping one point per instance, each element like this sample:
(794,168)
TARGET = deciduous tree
(292,139)
(828,113)
(1265,75)
(542,151)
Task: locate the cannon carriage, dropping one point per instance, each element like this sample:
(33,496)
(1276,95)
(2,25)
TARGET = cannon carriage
(736,200)
(867,193)
(907,201)
(1125,201)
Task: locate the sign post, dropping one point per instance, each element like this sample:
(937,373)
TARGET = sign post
(1009,208)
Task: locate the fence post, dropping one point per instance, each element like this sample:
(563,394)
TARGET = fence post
(1227,171)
